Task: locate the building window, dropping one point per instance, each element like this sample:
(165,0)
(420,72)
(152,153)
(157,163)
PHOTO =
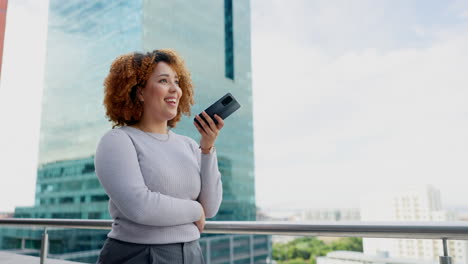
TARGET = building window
(47,187)
(72,186)
(23,215)
(94,215)
(92,184)
(65,200)
(99,198)
(228,40)
(88,168)
(67,215)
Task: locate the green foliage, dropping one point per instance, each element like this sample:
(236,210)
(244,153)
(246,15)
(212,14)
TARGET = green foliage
(348,244)
(297,261)
(293,261)
(305,249)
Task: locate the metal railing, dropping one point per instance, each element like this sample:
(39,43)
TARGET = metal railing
(408,230)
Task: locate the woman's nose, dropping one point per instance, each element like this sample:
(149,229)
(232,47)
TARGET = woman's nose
(174,86)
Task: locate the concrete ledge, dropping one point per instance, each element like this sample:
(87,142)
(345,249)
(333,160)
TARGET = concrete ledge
(11,258)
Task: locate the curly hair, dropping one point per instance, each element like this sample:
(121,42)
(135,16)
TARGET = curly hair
(132,70)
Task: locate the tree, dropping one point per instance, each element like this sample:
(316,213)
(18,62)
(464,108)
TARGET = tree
(307,249)
(348,244)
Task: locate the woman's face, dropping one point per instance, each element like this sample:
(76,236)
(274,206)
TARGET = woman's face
(162,93)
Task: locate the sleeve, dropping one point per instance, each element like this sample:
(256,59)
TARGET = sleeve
(211,193)
(119,172)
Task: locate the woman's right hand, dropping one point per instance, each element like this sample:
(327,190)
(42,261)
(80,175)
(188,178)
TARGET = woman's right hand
(201,222)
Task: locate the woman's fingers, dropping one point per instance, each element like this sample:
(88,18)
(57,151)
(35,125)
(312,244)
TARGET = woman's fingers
(210,121)
(199,128)
(207,124)
(220,121)
(207,127)
(202,124)
(200,225)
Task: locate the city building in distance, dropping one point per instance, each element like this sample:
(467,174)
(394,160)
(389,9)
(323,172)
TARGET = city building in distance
(6,215)
(351,257)
(419,203)
(307,215)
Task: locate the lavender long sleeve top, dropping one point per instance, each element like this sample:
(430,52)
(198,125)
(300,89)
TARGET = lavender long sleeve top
(156,188)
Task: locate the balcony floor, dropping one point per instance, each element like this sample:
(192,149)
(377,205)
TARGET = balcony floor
(11,258)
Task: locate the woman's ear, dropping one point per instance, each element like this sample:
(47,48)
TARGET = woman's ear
(140,94)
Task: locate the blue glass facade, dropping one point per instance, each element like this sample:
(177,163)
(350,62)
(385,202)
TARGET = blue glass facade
(228,40)
(84,37)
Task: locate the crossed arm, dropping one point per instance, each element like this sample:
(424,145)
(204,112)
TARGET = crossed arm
(119,172)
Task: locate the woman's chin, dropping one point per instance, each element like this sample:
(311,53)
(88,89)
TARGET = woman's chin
(171,116)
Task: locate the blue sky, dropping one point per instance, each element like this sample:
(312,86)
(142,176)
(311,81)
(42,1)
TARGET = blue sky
(349,97)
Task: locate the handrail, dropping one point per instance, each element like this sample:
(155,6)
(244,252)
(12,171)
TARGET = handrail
(410,230)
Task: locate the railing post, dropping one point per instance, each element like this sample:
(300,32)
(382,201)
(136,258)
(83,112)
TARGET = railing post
(208,251)
(44,246)
(231,249)
(251,242)
(445,259)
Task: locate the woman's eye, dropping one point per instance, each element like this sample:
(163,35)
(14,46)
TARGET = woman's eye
(163,80)
(177,81)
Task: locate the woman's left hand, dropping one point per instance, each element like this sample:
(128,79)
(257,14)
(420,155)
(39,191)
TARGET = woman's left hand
(208,130)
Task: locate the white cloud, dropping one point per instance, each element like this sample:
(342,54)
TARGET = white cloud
(464,14)
(329,128)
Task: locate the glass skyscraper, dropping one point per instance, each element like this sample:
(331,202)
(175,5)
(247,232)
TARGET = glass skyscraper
(83,39)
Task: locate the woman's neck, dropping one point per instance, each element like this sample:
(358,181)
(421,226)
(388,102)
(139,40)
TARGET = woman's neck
(152,127)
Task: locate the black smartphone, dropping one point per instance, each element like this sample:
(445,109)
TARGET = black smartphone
(224,107)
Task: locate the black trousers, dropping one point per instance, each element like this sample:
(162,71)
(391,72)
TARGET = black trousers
(119,252)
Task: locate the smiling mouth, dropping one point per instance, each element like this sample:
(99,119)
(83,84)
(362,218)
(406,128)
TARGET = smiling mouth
(171,101)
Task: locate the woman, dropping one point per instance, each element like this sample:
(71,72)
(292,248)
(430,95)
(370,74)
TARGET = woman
(161,185)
